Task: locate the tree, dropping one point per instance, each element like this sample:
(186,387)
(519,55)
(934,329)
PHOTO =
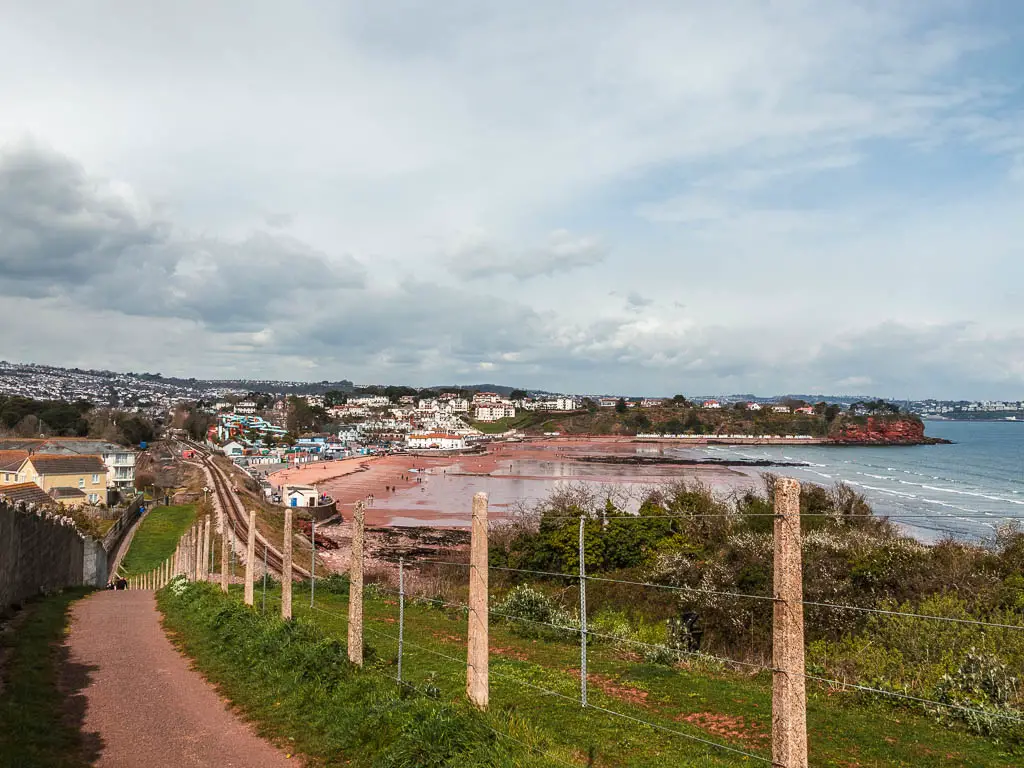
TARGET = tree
(589,404)
(197,424)
(620,406)
(518,394)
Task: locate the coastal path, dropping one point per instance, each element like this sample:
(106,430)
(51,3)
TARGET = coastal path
(144,705)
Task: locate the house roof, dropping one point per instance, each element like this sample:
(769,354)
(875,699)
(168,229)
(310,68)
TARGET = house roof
(67,465)
(80,445)
(27,492)
(19,443)
(11,461)
(67,493)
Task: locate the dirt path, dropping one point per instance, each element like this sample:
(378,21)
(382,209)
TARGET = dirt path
(146,704)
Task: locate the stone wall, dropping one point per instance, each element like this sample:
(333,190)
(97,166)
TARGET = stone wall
(43,552)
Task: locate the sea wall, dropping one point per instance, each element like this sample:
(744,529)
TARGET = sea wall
(43,552)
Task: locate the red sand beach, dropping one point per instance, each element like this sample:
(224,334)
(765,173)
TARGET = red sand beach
(437,491)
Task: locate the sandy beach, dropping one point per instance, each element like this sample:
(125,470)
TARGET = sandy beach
(436,491)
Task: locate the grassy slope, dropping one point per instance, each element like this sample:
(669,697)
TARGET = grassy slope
(721,706)
(35,729)
(157,537)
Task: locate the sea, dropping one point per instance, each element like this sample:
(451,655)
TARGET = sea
(965,490)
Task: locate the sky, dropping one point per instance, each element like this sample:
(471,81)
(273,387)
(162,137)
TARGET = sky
(643,198)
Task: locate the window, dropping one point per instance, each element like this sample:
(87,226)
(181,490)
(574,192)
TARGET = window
(81,482)
(93,498)
(95,479)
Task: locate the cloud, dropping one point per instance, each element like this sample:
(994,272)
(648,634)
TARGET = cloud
(68,234)
(635,301)
(474,257)
(804,197)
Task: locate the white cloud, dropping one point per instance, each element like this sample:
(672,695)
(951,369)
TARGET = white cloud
(474,257)
(338,184)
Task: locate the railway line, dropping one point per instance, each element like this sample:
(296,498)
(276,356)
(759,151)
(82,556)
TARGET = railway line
(235,512)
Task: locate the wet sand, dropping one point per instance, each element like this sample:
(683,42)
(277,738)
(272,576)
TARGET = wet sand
(436,491)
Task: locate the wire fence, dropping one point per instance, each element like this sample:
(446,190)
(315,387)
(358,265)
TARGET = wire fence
(783,671)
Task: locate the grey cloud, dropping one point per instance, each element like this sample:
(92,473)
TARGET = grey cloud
(58,227)
(563,252)
(635,301)
(64,233)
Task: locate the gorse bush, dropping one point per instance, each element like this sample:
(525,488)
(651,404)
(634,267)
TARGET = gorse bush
(298,683)
(984,694)
(531,613)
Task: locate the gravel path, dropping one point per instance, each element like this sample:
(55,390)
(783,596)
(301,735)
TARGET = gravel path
(148,707)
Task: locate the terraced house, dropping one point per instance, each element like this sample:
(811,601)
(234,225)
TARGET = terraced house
(70,480)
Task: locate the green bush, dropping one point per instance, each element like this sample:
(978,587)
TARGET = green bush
(982,692)
(531,613)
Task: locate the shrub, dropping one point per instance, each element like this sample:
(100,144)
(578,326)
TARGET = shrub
(531,613)
(983,692)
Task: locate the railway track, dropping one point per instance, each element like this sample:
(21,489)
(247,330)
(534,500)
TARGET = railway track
(236,514)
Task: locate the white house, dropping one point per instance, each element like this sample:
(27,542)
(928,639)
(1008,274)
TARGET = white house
(246,408)
(753,406)
(315,401)
(370,401)
(501,410)
(486,398)
(711,404)
(299,495)
(780,408)
(608,402)
(233,449)
(438,441)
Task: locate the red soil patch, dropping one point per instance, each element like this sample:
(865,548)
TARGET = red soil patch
(448,638)
(728,727)
(616,689)
(511,653)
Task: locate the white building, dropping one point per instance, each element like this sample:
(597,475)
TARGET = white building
(246,408)
(501,410)
(233,449)
(436,441)
(486,398)
(316,401)
(711,404)
(299,495)
(753,406)
(780,408)
(370,401)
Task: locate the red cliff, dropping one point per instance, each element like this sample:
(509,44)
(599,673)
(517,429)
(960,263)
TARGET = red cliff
(882,431)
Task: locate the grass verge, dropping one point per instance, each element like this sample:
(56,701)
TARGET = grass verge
(699,699)
(157,537)
(295,682)
(39,726)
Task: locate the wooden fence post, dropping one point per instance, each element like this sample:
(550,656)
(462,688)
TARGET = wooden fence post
(355,589)
(789,695)
(207,548)
(250,559)
(286,566)
(197,551)
(224,555)
(477,673)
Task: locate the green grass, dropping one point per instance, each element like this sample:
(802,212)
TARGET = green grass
(701,700)
(295,682)
(39,719)
(157,537)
